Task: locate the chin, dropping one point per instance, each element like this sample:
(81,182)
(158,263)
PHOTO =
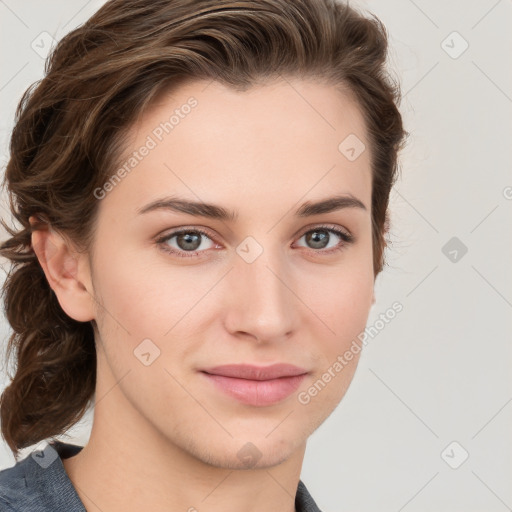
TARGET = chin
(256,452)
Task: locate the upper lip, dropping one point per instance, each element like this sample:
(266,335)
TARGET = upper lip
(251,372)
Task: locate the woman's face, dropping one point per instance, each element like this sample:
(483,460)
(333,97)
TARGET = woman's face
(263,287)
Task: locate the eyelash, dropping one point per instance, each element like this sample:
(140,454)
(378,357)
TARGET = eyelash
(346,237)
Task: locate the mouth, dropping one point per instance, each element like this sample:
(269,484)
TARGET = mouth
(256,385)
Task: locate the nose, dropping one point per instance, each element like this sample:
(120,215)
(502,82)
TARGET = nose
(262,304)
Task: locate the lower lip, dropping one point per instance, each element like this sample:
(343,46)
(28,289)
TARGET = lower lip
(257,392)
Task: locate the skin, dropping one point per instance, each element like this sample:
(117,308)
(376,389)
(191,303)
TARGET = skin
(163,437)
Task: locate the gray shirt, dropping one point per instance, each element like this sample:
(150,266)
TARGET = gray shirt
(39,483)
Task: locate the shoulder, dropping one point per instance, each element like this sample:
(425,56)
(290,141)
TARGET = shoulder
(15,495)
(39,483)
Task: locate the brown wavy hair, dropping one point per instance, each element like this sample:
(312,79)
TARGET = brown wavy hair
(69,131)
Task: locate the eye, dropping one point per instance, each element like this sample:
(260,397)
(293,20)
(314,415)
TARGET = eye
(188,242)
(320,237)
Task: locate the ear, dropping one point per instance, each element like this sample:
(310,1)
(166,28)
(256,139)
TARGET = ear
(67,271)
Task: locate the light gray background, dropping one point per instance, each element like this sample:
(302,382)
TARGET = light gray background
(440,371)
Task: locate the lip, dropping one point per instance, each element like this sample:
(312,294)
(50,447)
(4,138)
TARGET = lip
(256,385)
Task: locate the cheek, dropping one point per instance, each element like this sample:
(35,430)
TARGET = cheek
(134,291)
(341,301)
(143,301)
(341,310)
(128,309)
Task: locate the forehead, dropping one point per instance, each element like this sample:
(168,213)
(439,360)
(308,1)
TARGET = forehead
(285,139)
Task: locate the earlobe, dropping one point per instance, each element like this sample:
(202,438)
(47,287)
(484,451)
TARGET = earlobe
(66,271)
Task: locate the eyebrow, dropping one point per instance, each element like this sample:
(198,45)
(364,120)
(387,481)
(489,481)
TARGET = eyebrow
(213,211)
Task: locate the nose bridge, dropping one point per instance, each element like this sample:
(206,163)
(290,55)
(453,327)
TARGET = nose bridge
(262,304)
